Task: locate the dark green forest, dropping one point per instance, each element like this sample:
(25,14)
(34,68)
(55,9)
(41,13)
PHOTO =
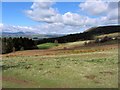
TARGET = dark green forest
(16,44)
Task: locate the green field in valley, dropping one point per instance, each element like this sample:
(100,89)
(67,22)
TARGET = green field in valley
(47,45)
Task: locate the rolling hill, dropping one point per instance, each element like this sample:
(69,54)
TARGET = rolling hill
(103,30)
(86,35)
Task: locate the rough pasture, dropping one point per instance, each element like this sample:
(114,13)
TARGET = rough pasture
(95,67)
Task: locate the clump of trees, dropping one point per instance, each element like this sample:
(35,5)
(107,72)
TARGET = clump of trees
(16,44)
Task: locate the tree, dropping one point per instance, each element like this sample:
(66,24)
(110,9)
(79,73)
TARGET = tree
(56,41)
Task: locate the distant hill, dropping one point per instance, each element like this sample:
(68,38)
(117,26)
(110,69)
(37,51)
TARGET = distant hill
(16,33)
(86,35)
(30,35)
(103,30)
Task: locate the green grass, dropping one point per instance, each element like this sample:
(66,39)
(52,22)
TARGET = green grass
(47,45)
(81,70)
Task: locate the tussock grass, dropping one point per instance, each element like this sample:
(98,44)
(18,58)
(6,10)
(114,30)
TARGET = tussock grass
(91,67)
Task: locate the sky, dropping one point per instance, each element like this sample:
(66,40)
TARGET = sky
(57,17)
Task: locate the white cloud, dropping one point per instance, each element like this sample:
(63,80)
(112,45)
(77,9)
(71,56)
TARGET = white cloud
(72,19)
(41,11)
(113,14)
(96,7)
(112,5)
(1,26)
(48,28)
(58,28)
(15,29)
(107,11)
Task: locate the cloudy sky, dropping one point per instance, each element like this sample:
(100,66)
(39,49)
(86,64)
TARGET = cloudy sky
(57,17)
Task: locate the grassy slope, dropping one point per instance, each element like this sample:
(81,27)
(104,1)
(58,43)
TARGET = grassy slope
(68,45)
(109,35)
(85,67)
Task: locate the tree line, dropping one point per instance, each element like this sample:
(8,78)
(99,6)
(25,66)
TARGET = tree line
(16,44)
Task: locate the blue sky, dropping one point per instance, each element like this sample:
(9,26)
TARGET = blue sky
(58,17)
(13,12)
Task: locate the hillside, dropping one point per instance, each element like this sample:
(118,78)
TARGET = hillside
(103,30)
(86,35)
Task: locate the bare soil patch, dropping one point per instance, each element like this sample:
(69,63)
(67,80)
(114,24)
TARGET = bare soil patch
(59,51)
(18,81)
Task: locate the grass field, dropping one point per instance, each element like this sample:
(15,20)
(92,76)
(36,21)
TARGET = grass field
(86,67)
